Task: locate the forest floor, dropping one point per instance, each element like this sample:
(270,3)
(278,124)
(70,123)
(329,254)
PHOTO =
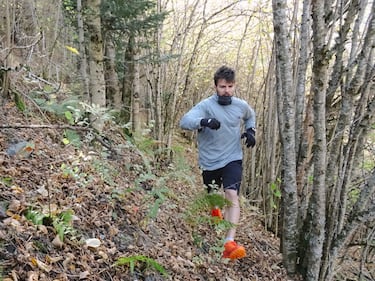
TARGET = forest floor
(55,197)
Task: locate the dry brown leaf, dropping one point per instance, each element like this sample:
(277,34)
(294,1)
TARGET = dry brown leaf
(43,229)
(113,231)
(11,222)
(103,255)
(14,206)
(57,242)
(14,275)
(41,265)
(42,191)
(84,275)
(17,190)
(69,258)
(50,259)
(32,276)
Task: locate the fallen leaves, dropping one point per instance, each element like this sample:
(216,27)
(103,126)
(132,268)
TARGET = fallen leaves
(41,265)
(111,221)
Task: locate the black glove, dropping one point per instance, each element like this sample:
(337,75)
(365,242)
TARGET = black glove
(250,137)
(211,123)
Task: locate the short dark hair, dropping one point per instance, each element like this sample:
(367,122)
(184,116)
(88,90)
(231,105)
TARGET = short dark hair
(226,73)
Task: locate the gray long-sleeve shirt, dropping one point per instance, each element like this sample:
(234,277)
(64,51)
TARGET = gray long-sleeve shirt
(219,147)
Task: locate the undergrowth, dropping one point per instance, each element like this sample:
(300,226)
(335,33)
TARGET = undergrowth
(132,261)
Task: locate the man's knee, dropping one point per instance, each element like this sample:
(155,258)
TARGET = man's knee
(232,196)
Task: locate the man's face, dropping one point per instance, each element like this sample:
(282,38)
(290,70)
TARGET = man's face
(224,88)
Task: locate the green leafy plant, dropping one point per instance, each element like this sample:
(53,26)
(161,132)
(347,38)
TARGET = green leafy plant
(73,171)
(218,248)
(1,273)
(62,223)
(7,181)
(71,137)
(133,260)
(197,239)
(52,105)
(19,102)
(34,216)
(160,195)
(70,171)
(106,172)
(353,195)
(276,193)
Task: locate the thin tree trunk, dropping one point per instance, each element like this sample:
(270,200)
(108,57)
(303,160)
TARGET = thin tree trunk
(360,213)
(264,160)
(136,122)
(8,45)
(359,125)
(113,89)
(334,203)
(287,125)
(304,122)
(95,57)
(155,84)
(270,166)
(82,61)
(302,64)
(128,78)
(317,206)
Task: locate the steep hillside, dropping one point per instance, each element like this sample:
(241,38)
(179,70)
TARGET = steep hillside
(56,196)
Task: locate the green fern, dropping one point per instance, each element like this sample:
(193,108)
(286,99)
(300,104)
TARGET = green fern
(215,199)
(133,260)
(203,203)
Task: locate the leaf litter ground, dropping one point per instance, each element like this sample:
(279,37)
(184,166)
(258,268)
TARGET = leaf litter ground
(131,210)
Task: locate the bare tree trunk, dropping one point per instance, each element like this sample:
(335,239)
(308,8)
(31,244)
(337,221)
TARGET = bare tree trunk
(113,89)
(128,78)
(95,57)
(317,206)
(270,164)
(7,61)
(287,130)
(303,60)
(304,122)
(82,61)
(154,81)
(335,145)
(136,122)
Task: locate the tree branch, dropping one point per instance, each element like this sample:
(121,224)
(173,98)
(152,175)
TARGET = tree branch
(43,126)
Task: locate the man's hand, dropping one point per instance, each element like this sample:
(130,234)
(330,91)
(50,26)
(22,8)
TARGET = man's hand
(250,137)
(211,123)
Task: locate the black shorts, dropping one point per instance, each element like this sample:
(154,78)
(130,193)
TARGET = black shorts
(229,176)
